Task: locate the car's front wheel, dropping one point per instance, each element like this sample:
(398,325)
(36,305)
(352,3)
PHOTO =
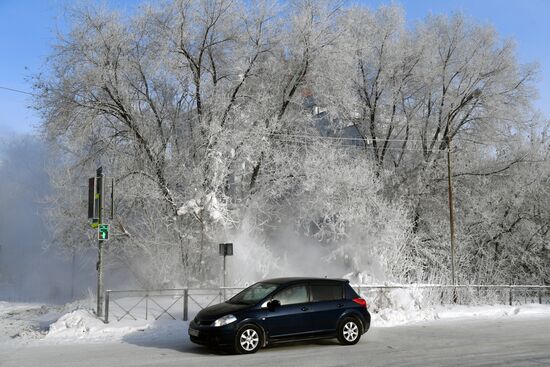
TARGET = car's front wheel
(349,331)
(249,339)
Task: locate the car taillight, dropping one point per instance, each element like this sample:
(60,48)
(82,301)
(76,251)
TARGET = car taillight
(361,302)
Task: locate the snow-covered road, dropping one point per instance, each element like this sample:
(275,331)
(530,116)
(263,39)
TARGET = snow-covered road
(476,342)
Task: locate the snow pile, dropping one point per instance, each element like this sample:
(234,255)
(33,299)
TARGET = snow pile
(404,306)
(82,326)
(399,306)
(75,324)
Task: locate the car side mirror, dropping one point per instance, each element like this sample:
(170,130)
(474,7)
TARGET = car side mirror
(273,304)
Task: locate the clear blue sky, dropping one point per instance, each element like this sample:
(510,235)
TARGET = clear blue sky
(27,30)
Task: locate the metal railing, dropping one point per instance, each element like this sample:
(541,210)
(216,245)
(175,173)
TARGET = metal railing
(160,303)
(168,303)
(465,293)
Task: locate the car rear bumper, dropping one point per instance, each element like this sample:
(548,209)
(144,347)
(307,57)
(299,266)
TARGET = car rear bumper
(365,321)
(211,336)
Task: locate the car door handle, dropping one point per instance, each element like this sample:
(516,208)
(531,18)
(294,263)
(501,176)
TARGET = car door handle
(340,305)
(305,308)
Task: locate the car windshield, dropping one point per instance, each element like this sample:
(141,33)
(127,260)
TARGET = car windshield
(253,294)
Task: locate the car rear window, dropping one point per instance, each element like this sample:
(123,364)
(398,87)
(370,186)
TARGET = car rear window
(326,292)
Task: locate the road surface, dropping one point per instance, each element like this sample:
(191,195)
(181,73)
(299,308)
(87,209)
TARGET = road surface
(497,342)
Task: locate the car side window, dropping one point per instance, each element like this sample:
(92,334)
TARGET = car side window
(326,292)
(292,295)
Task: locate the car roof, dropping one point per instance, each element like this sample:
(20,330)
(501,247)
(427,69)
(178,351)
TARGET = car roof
(289,280)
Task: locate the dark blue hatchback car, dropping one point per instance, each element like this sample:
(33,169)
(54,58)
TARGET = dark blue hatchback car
(283,309)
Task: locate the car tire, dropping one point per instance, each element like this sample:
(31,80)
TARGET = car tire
(248,339)
(349,331)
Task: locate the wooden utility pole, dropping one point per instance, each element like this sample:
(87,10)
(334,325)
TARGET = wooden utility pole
(99,178)
(451,216)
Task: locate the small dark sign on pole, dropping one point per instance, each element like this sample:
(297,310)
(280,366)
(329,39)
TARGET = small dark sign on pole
(226,249)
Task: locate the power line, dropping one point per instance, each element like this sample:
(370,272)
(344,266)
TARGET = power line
(17,91)
(349,146)
(305,137)
(309,136)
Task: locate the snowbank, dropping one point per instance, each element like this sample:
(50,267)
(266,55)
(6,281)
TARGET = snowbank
(83,326)
(404,306)
(23,323)
(75,324)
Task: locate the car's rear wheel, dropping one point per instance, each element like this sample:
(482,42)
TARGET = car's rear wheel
(249,339)
(349,331)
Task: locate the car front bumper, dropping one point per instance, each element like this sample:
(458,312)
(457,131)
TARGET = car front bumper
(212,336)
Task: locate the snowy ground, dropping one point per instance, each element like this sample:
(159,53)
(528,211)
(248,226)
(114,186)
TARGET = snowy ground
(392,317)
(25,321)
(74,323)
(509,340)
(406,334)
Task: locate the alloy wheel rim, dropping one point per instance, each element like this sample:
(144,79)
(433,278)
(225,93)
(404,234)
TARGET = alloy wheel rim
(351,331)
(249,339)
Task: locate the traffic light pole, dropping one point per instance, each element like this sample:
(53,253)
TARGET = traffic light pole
(100,279)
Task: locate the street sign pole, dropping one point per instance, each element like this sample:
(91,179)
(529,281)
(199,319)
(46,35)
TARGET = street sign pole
(226,249)
(224,275)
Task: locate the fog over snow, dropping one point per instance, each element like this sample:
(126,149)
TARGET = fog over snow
(32,267)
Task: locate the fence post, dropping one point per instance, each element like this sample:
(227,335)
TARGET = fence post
(107,293)
(185,304)
(540,296)
(510,300)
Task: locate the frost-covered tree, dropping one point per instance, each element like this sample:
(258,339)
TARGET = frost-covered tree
(221,117)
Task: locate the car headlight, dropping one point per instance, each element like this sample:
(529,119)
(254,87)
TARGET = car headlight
(227,319)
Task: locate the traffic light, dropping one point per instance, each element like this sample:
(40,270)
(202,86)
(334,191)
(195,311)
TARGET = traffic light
(91,198)
(103,232)
(95,196)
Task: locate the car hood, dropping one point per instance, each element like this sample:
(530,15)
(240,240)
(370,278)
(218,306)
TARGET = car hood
(219,310)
